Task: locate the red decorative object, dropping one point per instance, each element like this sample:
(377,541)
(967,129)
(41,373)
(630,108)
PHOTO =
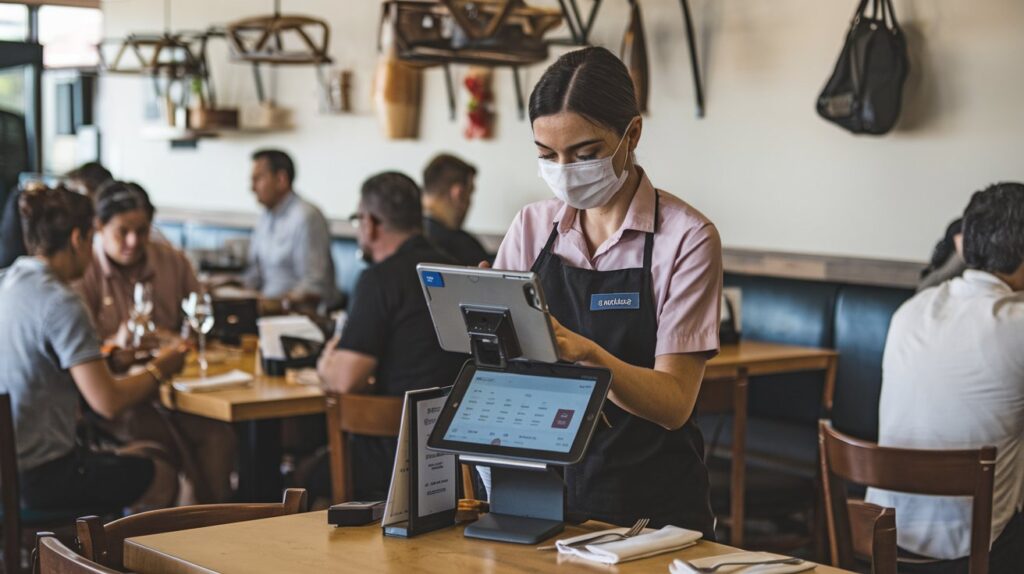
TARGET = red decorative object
(480,110)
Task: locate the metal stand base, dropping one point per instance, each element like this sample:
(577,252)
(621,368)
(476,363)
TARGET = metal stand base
(517,529)
(527,506)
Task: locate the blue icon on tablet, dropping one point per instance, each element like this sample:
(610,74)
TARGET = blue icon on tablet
(433,279)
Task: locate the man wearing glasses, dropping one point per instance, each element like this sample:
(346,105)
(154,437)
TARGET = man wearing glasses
(388,345)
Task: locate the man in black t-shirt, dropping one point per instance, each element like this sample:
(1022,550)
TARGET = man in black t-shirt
(388,345)
(448,186)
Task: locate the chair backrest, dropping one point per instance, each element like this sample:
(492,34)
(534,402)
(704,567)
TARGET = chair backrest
(873,535)
(104,543)
(10,498)
(365,415)
(52,557)
(845,459)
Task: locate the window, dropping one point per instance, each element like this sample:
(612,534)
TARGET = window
(13,22)
(69,36)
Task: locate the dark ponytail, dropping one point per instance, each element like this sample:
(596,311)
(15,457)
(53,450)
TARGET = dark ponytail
(48,216)
(591,82)
(117,197)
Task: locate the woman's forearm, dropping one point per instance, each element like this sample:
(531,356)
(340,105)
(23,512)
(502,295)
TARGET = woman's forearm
(665,395)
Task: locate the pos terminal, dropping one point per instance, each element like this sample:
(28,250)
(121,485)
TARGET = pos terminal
(514,409)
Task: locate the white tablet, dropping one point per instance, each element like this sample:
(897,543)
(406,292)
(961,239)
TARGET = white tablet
(457,296)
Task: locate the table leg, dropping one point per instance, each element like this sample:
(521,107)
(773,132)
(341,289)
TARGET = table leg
(739,451)
(259,464)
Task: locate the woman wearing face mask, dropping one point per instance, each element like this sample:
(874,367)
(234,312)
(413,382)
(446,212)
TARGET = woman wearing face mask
(633,276)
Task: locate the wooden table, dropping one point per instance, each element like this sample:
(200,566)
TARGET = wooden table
(257,411)
(272,398)
(306,543)
(266,398)
(726,378)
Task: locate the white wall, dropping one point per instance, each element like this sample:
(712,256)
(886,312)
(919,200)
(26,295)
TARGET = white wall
(762,165)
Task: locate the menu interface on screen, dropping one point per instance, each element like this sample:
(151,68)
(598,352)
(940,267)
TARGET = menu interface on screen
(521,411)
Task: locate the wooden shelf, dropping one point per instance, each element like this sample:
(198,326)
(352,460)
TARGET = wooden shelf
(169,133)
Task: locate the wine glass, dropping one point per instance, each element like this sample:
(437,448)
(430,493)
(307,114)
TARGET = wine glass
(198,308)
(140,315)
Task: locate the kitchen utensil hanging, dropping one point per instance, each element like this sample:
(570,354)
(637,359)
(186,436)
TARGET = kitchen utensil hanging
(634,55)
(174,61)
(490,33)
(166,54)
(281,39)
(581,24)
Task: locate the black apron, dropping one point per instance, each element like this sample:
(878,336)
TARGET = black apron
(634,468)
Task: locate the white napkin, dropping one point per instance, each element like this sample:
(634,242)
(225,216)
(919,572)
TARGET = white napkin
(649,543)
(235,378)
(679,567)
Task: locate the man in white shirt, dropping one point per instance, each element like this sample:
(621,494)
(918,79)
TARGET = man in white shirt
(953,378)
(290,248)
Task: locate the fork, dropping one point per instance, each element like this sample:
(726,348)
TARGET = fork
(637,528)
(710,569)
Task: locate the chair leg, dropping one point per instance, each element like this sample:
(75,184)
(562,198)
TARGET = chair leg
(12,552)
(188,460)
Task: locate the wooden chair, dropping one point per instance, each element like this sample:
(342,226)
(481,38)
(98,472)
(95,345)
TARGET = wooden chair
(855,527)
(11,495)
(19,524)
(104,543)
(364,415)
(52,557)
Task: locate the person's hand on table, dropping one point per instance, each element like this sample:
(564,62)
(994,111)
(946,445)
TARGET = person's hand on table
(171,359)
(119,360)
(572,346)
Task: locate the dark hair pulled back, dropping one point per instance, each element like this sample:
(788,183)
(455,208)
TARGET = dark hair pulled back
(591,82)
(117,197)
(50,215)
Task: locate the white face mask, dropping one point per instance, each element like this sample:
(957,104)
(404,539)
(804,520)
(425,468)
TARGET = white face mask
(584,184)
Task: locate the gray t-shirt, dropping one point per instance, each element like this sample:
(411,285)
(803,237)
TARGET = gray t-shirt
(45,330)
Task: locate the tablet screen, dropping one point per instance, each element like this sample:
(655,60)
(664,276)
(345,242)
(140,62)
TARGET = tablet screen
(521,411)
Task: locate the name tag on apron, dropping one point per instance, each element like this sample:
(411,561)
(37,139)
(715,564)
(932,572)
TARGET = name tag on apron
(613,301)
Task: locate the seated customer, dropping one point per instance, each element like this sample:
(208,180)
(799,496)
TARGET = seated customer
(290,249)
(947,259)
(51,356)
(85,179)
(953,378)
(125,255)
(448,187)
(388,345)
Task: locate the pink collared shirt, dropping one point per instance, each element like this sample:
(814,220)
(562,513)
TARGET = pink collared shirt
(686,263)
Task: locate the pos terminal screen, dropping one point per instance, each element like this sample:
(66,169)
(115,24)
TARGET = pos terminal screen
(521,411)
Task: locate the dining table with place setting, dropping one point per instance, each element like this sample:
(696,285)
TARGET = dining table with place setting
(307,542)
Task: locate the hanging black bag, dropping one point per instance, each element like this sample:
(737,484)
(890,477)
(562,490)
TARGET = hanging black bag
(863,95)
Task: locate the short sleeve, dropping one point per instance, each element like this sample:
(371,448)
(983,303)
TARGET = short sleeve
(70,332)
(367,326)
(510,253)
(691,313)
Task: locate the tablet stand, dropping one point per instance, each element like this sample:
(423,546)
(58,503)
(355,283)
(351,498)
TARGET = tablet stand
(492,336)
(527,503)
(527,499)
